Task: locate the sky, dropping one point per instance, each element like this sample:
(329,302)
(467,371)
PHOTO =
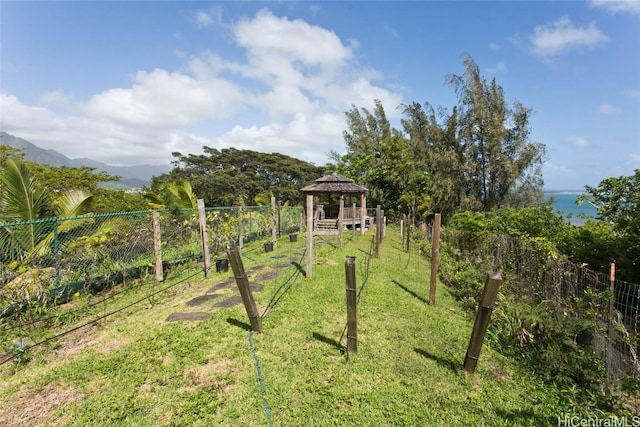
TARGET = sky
(130,82)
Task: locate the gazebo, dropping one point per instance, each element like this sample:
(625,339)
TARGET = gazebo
(317,223)
(335,184)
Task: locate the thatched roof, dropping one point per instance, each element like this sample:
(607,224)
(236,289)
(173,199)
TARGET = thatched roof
(335,184)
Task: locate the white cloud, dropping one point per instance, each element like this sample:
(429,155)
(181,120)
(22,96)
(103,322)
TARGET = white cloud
(578,141)
(391,31)
(635,157)
(55,98)
(634,93)
(500,67)
(203,19)
(494,46)
(562,35)
(281,97)
(268,35)
(615,6)
(164,99)
(608,109)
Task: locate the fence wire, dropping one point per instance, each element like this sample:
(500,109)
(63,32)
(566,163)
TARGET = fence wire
(47,262)
(541,274)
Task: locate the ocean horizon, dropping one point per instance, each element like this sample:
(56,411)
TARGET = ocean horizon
(564,203)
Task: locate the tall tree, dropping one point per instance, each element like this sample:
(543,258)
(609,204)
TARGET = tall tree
(220,177)
(382,159)
(499,158)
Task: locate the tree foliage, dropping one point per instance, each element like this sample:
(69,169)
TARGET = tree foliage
(221,177)
(618,203)
(476,157)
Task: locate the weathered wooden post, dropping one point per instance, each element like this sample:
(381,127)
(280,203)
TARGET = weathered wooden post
(378,234)
(610,326)
(157,246)
(352,314)
(340,220)
(309,268)
(407,241)
(363,212)
(487,303)
(204,237)
(435,258)
(353,221)
(240,229)
(274,227)
(245,291)
(402,227)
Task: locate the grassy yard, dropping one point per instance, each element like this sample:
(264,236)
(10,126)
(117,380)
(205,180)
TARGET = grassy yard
(135,368)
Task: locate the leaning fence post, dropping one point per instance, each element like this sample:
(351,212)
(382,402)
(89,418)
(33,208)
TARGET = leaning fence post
(435,258)
(487,302)
(352,316)
(157,245)
(204,237)
(245,291)
(610,327)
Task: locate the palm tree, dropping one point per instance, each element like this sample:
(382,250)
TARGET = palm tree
(23,200)
(174,196)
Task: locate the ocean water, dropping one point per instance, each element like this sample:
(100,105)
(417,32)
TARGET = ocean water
(564,202)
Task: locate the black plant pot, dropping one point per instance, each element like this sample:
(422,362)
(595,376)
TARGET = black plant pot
(222,265)
(293,238)
(268,247)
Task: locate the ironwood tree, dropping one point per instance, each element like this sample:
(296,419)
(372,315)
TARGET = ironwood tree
(477,157)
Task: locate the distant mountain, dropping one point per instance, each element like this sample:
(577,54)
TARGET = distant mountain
(131,176)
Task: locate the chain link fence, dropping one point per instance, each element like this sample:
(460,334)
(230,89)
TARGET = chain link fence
(50,260)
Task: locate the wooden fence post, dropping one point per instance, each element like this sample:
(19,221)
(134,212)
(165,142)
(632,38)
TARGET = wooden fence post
(402,228)
(435,258)
(157,246)
(310,214)
(340,220)
(353,221)
(485,308)
(274,228)
(407,241)
(378,220)
(240,229)
(204,238)
(352,314)
(610,326)
(245,291)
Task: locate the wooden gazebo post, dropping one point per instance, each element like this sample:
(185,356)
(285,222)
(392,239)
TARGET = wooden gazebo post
(363,212)
(331,184)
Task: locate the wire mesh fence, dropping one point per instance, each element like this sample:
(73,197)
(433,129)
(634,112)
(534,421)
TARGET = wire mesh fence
(50,260)
(537,272)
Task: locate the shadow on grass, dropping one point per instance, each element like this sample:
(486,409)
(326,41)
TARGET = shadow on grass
(409,291)
(327,340)
(452,365)
(526,417)
(239,324)
(299,268)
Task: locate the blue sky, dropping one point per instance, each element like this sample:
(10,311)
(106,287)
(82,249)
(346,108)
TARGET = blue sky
(127,82)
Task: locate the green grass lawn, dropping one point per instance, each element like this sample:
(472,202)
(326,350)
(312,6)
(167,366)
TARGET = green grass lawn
(134,368)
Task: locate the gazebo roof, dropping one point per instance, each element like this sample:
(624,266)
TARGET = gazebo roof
(334,183)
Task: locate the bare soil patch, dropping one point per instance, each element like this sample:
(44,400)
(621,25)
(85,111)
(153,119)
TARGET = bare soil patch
(35,407)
